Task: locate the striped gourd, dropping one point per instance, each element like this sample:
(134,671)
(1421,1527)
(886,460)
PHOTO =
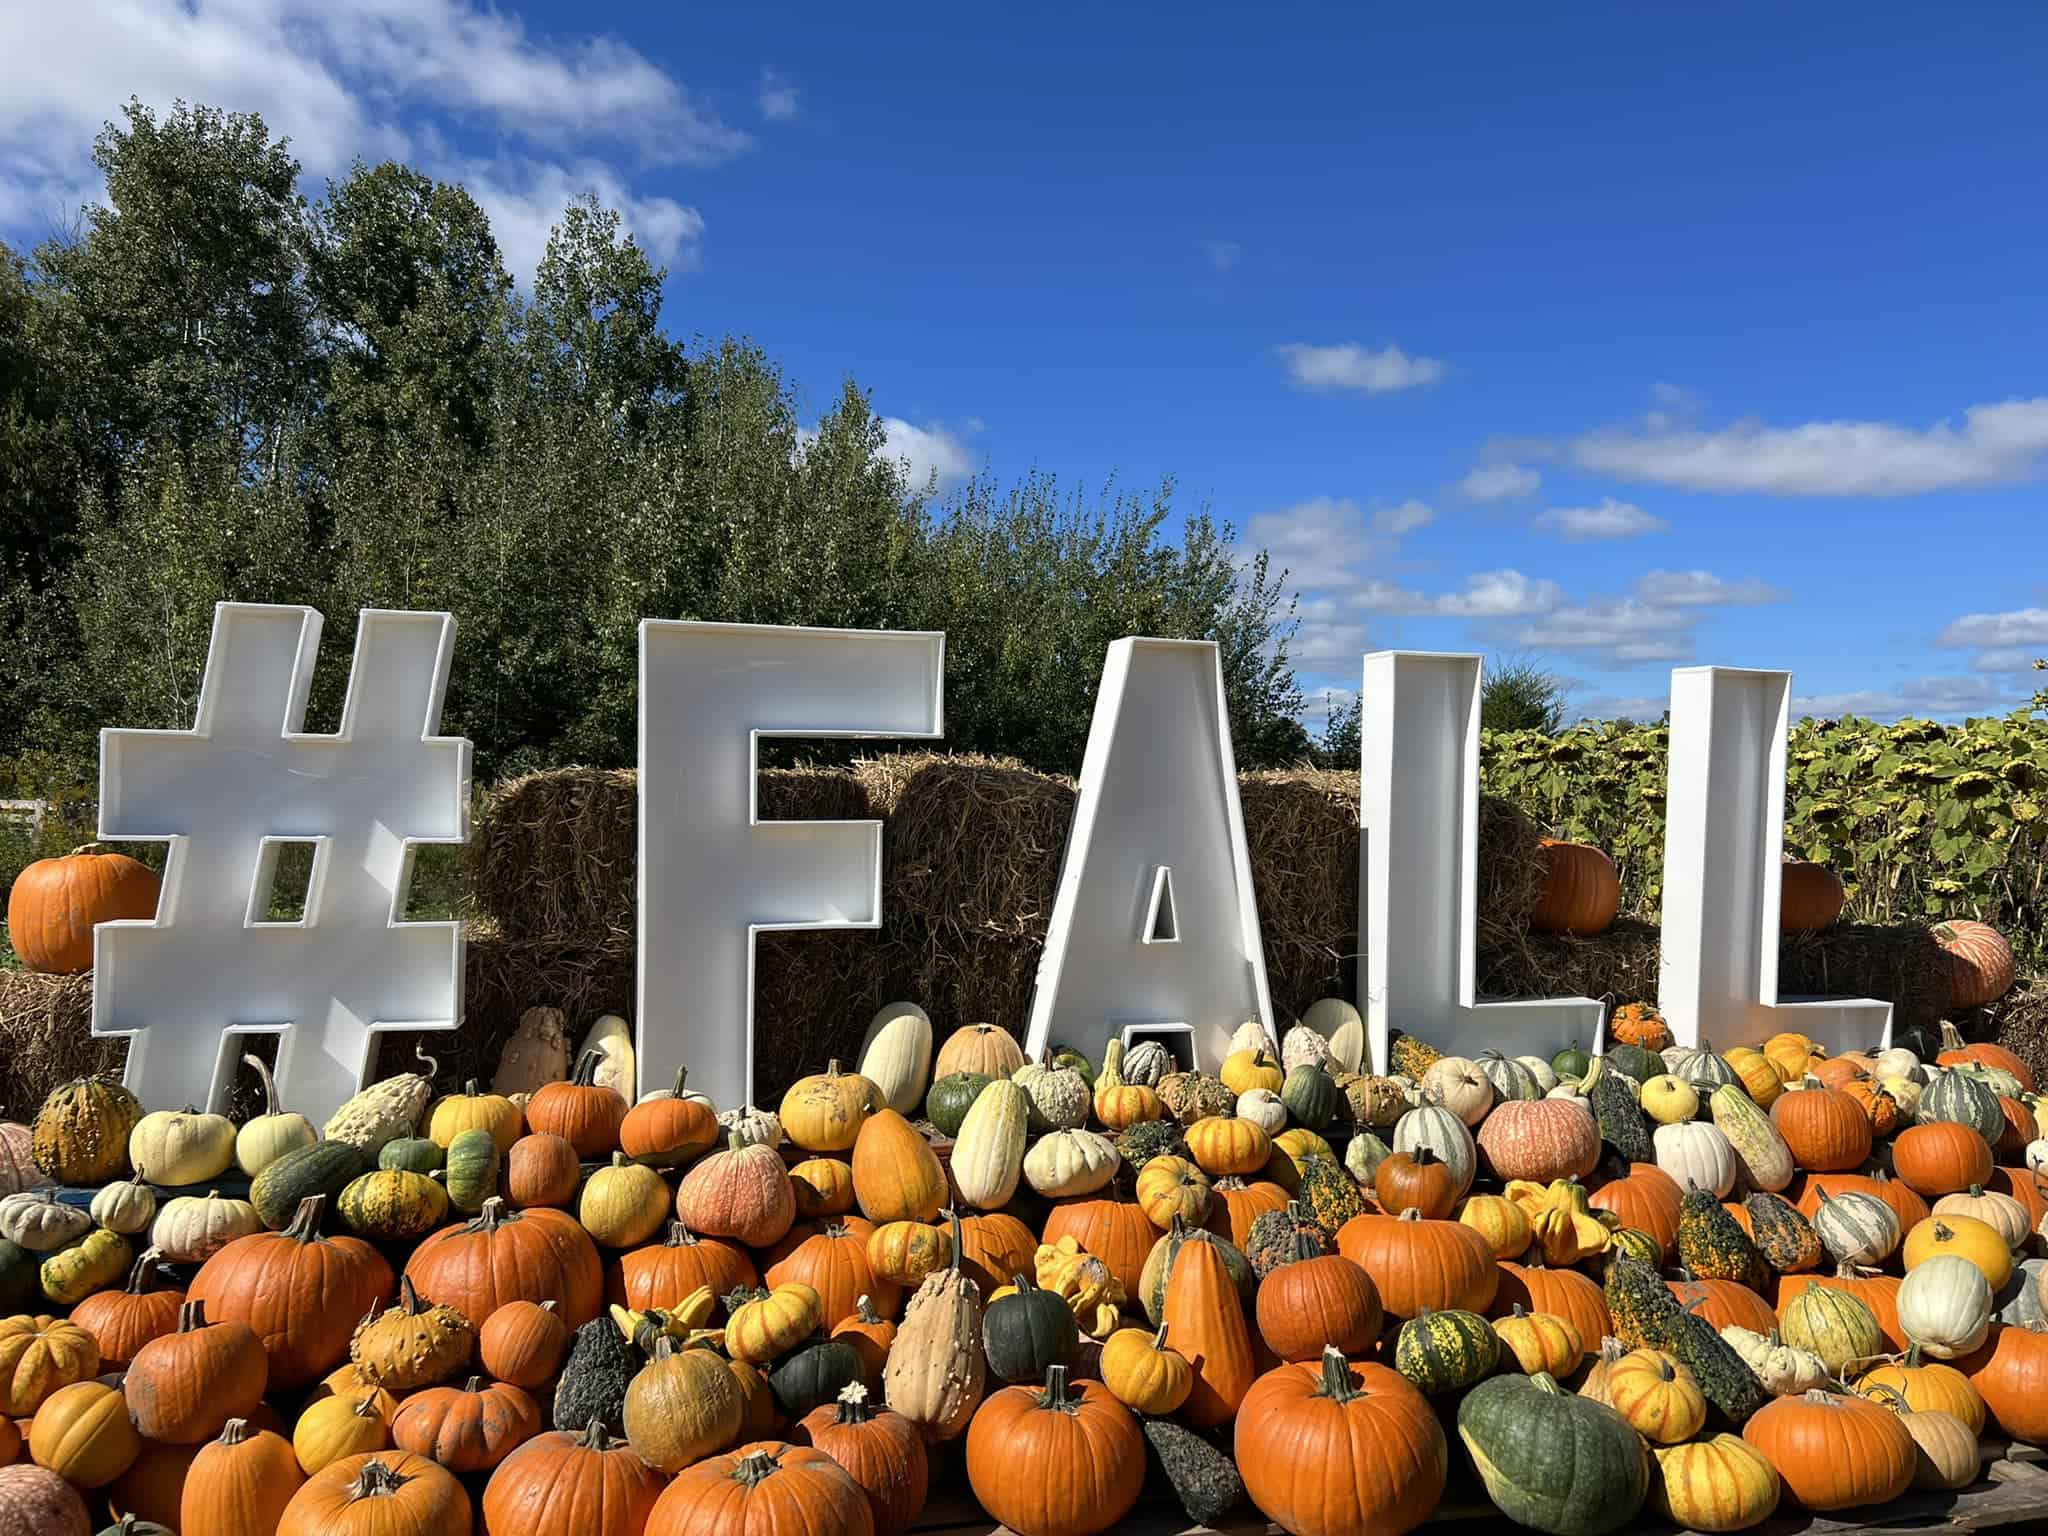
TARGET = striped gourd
(988,1154)
(1766,1160)
(1446,1351)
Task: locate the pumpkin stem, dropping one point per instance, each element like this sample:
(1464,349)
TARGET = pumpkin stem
(1056,1396)
(959,1242)
(864,1309)
(1411,1214)
(682,1075)
(594,1437)
(191,1315)
(756,1468)
(1336,1384)
(375,1481)
(586,1069)
(138,1276)
(1159,1338)
(269,1083)
(305,1227)
(853,1405)
(234,1432)
(470,1089)
(1543,1381)
(1022,1283)
(409,1297)
(489,1217)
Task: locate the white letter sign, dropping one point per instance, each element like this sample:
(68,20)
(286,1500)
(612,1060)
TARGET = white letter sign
(1724,846)
(225,795)
(712,872)
(1418,888)
(1155,928)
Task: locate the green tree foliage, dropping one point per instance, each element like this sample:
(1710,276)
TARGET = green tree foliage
(221,390)
(1518,695)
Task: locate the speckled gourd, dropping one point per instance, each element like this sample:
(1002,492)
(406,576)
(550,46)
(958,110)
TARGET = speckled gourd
(384,1111)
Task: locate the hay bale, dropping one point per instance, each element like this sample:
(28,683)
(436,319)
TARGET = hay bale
(2019,1022)
(813,996)
(1301,829)
(1512,868)
(1618,966)
(46,1039)
(1901,964)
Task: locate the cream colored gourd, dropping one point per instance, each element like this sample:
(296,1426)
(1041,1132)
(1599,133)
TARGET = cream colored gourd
(1457,1083)
(988,1154)
(1263,1108)
(264,1139)
(1066,1163)
(37,1220)
(755,1127)
(1338,1022)
(126,1206)
(536,1054)
(1696,1153)
(1305,1046)
(1945,1306)
(1251,1035)
(384,1111)
(1856,1228)
(1766,1160)
(1544,1073)
(1057,1098)
(182,1146)
(896,1055)
(1998,1211)
(1782,1370)
(191,1230)
(612,1038)
(935,1370)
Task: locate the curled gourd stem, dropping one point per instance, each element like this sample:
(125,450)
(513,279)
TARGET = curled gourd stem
(433,1065)
(959,1242)
(263,1076)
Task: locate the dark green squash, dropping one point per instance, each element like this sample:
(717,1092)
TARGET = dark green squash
(472,1170)
(1311,1097)
(1552,1460)
(1277,1237)
(1446,1351)
(1713,1246)
(20,1278)
(1195,1472)
(594,1378)
(1148,1139)
(1028,1331)
(1646,1315)
(324,1168)
(1328,1193)
(1785,1238)
(815,1374)
(134,1525)
(1623,1125)
(951,1097)
(1067,1056)
(1639,1062)
(413,1154)
(1571,1064)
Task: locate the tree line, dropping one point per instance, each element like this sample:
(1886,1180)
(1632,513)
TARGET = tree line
(216,386)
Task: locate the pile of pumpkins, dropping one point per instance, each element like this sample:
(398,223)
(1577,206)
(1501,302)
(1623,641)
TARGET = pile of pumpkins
(1580,1287)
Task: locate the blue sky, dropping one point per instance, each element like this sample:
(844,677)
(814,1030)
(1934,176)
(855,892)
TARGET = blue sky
(1614,336)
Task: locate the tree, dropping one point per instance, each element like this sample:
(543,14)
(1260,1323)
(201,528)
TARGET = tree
(1519,695)
(1339,745)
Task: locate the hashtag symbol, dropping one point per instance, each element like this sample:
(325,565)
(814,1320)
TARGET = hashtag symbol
(225,796)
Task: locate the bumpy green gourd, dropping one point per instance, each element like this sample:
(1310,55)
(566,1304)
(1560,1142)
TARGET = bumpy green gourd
(1328,1193)
(1202,1477)
(1623,1125)
(1446,1351)
(1148,1139)
(1712,1244)
(1647,1316)
(594,1378)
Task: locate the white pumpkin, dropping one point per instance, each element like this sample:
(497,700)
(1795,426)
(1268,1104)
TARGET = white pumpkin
(191,1230)
(1251,1035)
(1897,1062)
(536,1054)
(1783,1371)
(2024,1299)
(896,1055)
(127,1206)
(182,1146)
(1435,1127)
(264,1139)
(1457,1083)
(1070,1163)
(37,1220)
(2037,1156)
(1697,1152)
(612,1037)
(755,1127)
(1856,1228)
(1305,1047)
(1339,1023)
(1544,1073)
(2000,1212)
(1945,1306)
(1263,1108)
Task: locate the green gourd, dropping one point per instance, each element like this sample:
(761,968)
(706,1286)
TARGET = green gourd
(601,1365)
(1148,1139)
(472,1170)
(814,1374)
(1785,1238)
(325,1168)
(1551,1460)
(1311,1097)
(1712,1244)
(950,1099)
(1646,1315)
(1637,1061)
(392,1205)
(1328,1193)
(1623,1126)
(93,1263)
(1275,1238)
(1028,1331)
(1446,1351)
(413,1154)
(1571,1064)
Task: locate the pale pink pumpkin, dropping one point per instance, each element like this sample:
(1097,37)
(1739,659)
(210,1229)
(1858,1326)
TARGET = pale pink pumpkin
(1540,1139)
(1979,962)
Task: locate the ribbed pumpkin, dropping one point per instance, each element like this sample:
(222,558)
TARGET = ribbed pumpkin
(871,1336)
(1080,1429)
(1837,1326)
(240,1483)
(980,1048)
(1656,1397)
(1980,965)
(82,1433)
(1551,1460)
(1856,1228)
(1415,1263)
(1581,889)
(1144,1373)
(1941,1158)
(383,1493)
(470,1428)
(742,1193)
(1539,1341)
(390,1205)
(1722,1484)
(2002,1213)
(880,1450)
(541,1170)
(1503,1223)
(1314,1300)
(121,1322)
(524,1342)
(834,1263)
(54,905)
(1834,1452)
(1645,1198)
(1905,1204)
(896,1175)
(665,1131)
(1540,1140)
(1826,1130)
(1445,1352)
(582,1111)
(504,1255)
(1207,1322)
(1111,1225)
(581,1483)
(1928,1386)
(662,1274)
(81,1132)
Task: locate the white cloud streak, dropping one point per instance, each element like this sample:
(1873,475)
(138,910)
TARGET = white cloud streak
(1611,519)
(778,99)
(928,451)
(1349,367)
(1499,482)
(2016,627)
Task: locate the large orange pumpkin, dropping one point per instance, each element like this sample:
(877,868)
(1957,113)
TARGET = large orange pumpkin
(1725,1304)
(381,1493)
(477,1266)
(1940,1157)
(123,1321)
(834,1263)
(1980,965)
(1331,1448)
(301,1292)
(55,903)
(1414,1263)
(183,1388)
(153,1487)
(881,1451)
(763,1489)
(240,1484)
(1115,1230)
(1561,1293)
(585,1484)
(1834,1452)
(2011,1374)
(1810,898)
(470,1428)
(662,1274)
(1825,1129)
(1085,1444)
(1645,1198)
(1581,890)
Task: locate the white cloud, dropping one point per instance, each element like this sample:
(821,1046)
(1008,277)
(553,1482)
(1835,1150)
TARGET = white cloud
(1610,520)
(1999,442)
(778,98)
(1404,519)
(1607,623)
(928,450)
(1703,589)
(1314,537)
(1348,366)
(1222,254)
(344,78)
(2019,658)
(525,199)
(1500,594)
(1499,482)
(1940,696)
(2019,626)
(1637,706)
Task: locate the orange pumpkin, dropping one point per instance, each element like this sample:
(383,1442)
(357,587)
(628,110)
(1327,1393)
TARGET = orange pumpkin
(995,1245)
(1725,1303)
(1986,1054)
(1639,1024)
(666,1132)
(1878,1106)
(2020,1128)
(742,1193)
(153,1487)
(301,1292)
(381,1493)
(1561,1293)
(662,1274)
(55,904)
(896,1175)
(1415,1263)
(762,1489)
(1581,890)
(582,1111)
(83,1433)
(871,1334)
(1810,897)
(834,1263)
(503,1255)
(542,1170)
(1834,1452)
(1941,1157)
(1085,1441)
(1316,1300)
(1206,1319)
(583,1484)
(1327,1447)
(1980,967)
(470,1428)
(881,1451)
(239,1484)
(1824,1128)
(1115,1230)
(183,1388)
(123,1321)
(823,1186)
(1418,1180)
(524,1342)
(1645,1198)
(2011,1374)
(1839,1071)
